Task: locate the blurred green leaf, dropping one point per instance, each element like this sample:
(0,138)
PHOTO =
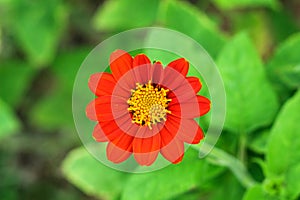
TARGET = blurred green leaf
(251,102)
(15,79)
(293,183)
(284,66)
(9,178)
(229,187)
(8,121)
(171,181)
(283,155)
(37,27)
(66,65)
(283,24)
(285,138)
(187,19)
(54,110)
(255,193)
(91,176)
(124,14)
(258,141)
(257,25)
(233,4)
(191,195)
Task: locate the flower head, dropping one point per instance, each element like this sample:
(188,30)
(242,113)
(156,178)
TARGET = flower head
(144,109)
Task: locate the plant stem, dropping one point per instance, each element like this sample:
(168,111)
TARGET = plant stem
(242,148)
(219,157)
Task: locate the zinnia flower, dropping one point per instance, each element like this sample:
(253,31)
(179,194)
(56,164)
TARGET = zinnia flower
(144,109)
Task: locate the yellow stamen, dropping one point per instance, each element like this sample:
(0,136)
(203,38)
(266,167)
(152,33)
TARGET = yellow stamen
(148,104)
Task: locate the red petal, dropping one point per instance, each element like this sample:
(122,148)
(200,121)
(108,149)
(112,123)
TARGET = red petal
(146,144)
(169,131)
(102,83)
(91,111)
(142,67)
(174,151)
(120,148)
(116,154)
(195,83)
(181,65)
(99,135)
(179,85)
(179,159)
(188,109)
(123,141)
(146,149)
(110,129)
(190,132)
(120,63)
(184,110)
(173,79)
(102,108)
(157,73)
(204,104)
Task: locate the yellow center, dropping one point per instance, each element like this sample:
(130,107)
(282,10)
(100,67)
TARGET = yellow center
(148,104)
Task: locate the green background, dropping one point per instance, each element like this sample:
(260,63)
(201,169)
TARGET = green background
(256,45)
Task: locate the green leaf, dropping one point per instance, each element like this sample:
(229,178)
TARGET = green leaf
(9,122)
(15,79)
(255,193)
(54,110)
(171,181)
(284,66)
(191,195)
(66,65)
(292,182)
(123,14)
(233,4)
(10,180)
(251,102)
(257,25)
(228,186)
(187,19)
(283,156)
(37,27)
(283,24)
(92,177)
(258,142)
(284,142)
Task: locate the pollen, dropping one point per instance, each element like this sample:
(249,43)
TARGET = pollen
(148,104)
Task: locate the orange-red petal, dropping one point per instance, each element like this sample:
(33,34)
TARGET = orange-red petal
(116,154)
(108,129)
(146,149)
(193,108)
(174,151)
(99,135)
(123,141)
(204,104)
(102,83)
(190,132)
(157,73)
(101,108)
(180,65)
(142,68)
(186,130)
(120,63)
(195,83)
(169,131)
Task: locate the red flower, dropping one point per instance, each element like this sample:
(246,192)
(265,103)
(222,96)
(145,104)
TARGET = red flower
(144,108)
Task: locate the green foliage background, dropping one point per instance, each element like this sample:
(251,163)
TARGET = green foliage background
(256,45)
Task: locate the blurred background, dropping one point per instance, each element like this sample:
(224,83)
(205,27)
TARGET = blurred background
(42,45)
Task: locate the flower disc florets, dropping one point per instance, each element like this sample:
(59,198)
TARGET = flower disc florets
(148,104)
